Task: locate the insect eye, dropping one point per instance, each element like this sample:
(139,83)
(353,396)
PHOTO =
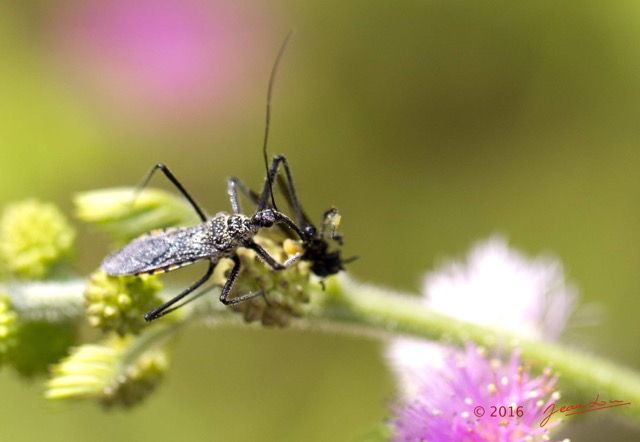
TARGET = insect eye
(309,231)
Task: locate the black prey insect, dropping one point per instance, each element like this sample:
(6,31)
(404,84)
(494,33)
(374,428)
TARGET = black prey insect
(315,244)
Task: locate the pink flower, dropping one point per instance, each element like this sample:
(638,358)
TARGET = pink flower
(501,287)
(160,61)
(495,286)
(442,387)
(472,398)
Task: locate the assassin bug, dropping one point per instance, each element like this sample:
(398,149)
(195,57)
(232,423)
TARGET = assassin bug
(215,238)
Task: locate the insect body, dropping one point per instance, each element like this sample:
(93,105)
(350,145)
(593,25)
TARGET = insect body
(216,238)
(165,250)
(316,246)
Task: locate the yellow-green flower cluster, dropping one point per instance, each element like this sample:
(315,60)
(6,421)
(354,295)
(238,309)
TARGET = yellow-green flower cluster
(113,372)
(33,236)
(8,327)
(138,380)
(118,303)
(285,292)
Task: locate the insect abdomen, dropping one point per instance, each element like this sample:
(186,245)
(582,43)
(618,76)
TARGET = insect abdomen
(160,251)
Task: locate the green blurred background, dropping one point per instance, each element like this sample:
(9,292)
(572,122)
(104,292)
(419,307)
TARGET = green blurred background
(430,124)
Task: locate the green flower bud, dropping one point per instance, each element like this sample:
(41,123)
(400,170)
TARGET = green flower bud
(114,372)
(33,237)
(126,214)
(118,303)
(8,327)
(138,380)
(285,291)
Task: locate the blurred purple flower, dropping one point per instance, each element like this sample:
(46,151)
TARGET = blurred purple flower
(501,287)
(159,61)
(497,286)
(456,402)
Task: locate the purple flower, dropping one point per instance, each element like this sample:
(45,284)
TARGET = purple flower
(160,61)
(500,286)
(496,286)
(473,398)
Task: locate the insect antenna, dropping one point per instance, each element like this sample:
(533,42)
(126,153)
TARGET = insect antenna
(274,70)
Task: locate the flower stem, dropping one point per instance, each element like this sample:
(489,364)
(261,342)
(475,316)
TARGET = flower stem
(370,309)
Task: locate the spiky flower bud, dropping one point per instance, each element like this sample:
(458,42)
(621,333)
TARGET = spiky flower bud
(117,372)
(138,380)
(8,327)
(126,213)
(285,292)
(33,236)
(118,303)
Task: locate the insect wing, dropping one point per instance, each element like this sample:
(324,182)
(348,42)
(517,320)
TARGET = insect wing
(160,251)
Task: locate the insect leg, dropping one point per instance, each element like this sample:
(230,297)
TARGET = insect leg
(273,171)
(171,177)
(261,202)
(162,310)
(331,219)
(226,290)
(233,184)
(284,189)
(190,300)
(270,260)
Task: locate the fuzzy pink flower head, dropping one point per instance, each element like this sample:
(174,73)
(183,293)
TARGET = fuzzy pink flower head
(473,398)
(158,61)
(501,287)
(497,286)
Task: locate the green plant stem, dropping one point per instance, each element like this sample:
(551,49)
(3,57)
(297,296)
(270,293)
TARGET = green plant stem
(369,309)
(50,301)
